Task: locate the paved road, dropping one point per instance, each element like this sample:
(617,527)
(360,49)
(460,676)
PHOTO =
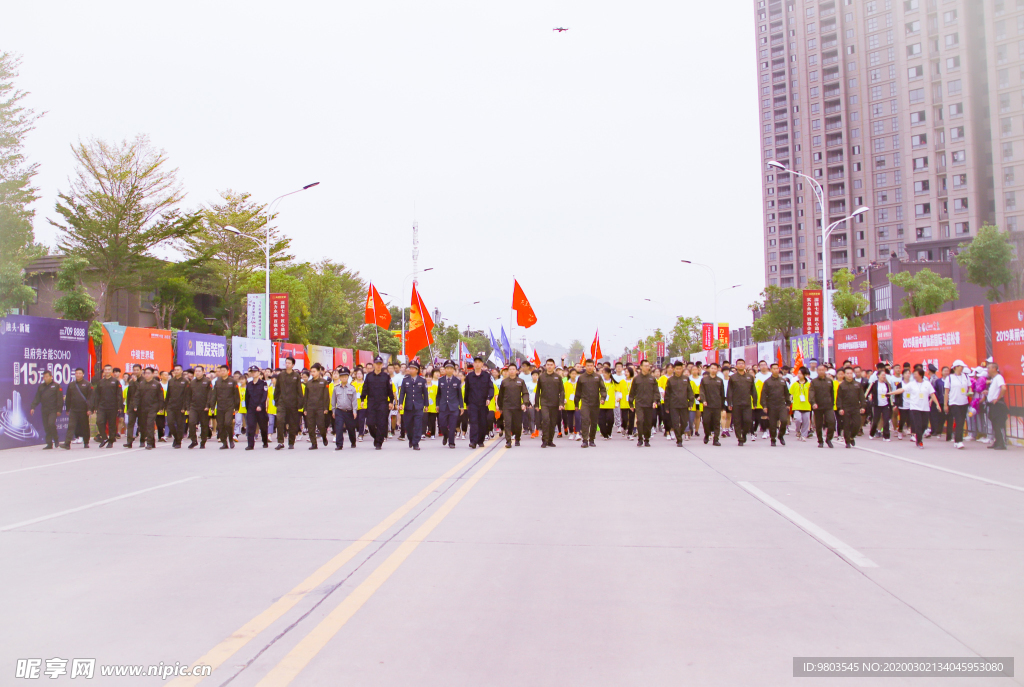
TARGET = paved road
(607,566)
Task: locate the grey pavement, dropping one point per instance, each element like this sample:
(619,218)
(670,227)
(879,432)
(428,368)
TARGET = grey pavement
(615,565)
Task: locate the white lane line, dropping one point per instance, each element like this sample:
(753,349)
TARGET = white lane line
(51,516)
(76,460)
(942,469)
(840,547)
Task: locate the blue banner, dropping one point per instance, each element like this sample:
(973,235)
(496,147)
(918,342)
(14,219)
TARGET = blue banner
(200,349)
(810,346)
(28,347)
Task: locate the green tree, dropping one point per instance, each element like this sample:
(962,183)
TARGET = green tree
(575,351)
(120,206)
(337,297)
(175,287)
(231,257)
(369,334)
(781,310)
(18,246)
(848,304)
(75,303)
(989,262)
(926,292)
(685,336)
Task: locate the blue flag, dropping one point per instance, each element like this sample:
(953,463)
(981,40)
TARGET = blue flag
(505,347)
(496,347)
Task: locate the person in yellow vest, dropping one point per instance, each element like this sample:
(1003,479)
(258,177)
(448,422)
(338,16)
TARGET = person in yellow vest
(662,414)
(271,406)
(240,428)
(606,408)
(760,414)
(695,409)
(800,392)
(303,420)
(569,408)
(161,415)
(627,416)
(357,383)
(431,412)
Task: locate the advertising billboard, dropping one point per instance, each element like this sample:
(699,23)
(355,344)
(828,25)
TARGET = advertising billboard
(126,346)
(343,357)
(941,338)
(246,352)
(859,345)
(297,351)
(1008,340)
(208,350)
(320,354)
(28,347)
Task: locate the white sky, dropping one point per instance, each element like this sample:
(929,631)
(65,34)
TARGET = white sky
(586,163)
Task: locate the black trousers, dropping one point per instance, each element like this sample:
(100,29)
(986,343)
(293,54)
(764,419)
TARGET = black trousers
(198,417)
(712,423)
(412,421)
(852,422)
(938,420)
(50,428)
(344,421)
(548,424)
(226,425)
(778,418)
(131,419)
(644,420)
(825,417)
(78,426)
(606,421)
(447,422)
(287,421)
(628,418)
(147,425)
(679,418)
(512,423)
(997,413)
(176,422)
(477,423)
(955,422)
(256,420)
(161,423)
(316,423)
(106,424)
(569,421)
(758,421)
(742,417)
(588,421)
(431,423)
(377,419)
(883,415)
(918,423)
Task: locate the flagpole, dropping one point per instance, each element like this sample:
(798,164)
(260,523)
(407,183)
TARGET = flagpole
(512,310)
(376,327)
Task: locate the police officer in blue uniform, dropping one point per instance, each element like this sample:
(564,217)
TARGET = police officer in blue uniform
(413,400)
(378,394)
(449,404)
(256,408)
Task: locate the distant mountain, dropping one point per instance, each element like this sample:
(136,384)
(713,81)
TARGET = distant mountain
(546,350)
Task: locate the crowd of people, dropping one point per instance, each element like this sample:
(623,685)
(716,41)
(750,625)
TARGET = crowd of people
(681,400)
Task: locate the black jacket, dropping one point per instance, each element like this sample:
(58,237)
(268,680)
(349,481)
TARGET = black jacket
(679,393)
(742,393)
(288,390)
(256,396)
(850,397)
(774,392)
(318,395)
(200,395)
(177,394)
(712,392)
(550,391)
(376,389)
(479,388)
(644,391)
(822,393)
(148,397)
(512,394)
(107,394)
(79,397)
(590,390)
(50,397)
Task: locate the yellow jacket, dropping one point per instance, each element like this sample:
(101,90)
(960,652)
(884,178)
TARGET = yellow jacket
(570,394)
(801,395)
(271,406)
(609,402)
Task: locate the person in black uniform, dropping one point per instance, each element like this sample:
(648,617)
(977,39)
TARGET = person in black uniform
(317,404)
(775,400)
(413,399)
(107,399)
(678,398)
(379,396)
(591,392)
(200,397)
(550,398)
(288,399)
(177,390)
(78,402)
(822,399)
(50,396)
(227,401)
(256,408)
(148,399)
(449,404)
(131,419)
(479,392)
(512,400)
(740,399)
(643,400)
(712,393)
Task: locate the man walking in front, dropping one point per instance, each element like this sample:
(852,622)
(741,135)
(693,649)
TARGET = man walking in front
(200,398)
(591,392)
(108,400)
(228,401)
(823,400)
(550,398)
(678,397)
(317,403)
(345,401)
(379,396)
(512,400)
(644,394)
(288,399)
(413,400)
(775,400)
(177,391)
(449,404)
(148,399)
(741,398)
(850,401)
(712,392)
(255,408)
(50,396)
(479,391)
(78,402)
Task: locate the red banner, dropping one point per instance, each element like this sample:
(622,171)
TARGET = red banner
(858,345)
(941,338)
(126,346)
(278,316)
(1008,340)
(708,336)
(365,357)
(284,350)
(884,330)
(814,312)
(661,349)
(343,356)
(723,335)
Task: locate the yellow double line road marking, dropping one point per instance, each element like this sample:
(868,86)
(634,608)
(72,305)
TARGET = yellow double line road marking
(239,638)
(300,656)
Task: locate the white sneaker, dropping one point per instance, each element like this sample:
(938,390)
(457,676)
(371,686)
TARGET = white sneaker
(927,433)
(958,445)
(765,435)
(886,439)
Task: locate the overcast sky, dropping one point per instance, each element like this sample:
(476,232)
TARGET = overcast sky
(586,163)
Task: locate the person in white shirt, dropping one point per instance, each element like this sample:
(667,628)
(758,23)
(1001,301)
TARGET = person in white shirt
(812,365)
(880,403)
(958,388)
(997,410)
(918,397)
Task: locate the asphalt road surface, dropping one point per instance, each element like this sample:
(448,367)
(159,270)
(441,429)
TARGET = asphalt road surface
(615,565)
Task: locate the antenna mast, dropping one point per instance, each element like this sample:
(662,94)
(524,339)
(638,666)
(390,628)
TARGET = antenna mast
(415,252)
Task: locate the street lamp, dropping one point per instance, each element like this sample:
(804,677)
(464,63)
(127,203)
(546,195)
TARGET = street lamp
(826,254)
(266,249)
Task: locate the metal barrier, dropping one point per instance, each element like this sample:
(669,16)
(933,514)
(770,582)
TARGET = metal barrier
(979,424)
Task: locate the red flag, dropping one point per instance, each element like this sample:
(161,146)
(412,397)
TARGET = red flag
(376,312)
(778,355)
(420,334)
(583,358)
(525,317)
(536,358)
(595,348)
(798,362)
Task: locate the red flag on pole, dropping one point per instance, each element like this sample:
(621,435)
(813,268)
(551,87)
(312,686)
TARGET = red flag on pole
(595,348)
(798,362)
(536,358)
(525,317)
(583,358)
(420,333)
(376,312)
(778,356)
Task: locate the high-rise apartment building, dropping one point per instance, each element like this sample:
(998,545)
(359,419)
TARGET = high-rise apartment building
(913,108)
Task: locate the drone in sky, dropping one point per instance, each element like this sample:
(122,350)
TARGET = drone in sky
(560,29)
